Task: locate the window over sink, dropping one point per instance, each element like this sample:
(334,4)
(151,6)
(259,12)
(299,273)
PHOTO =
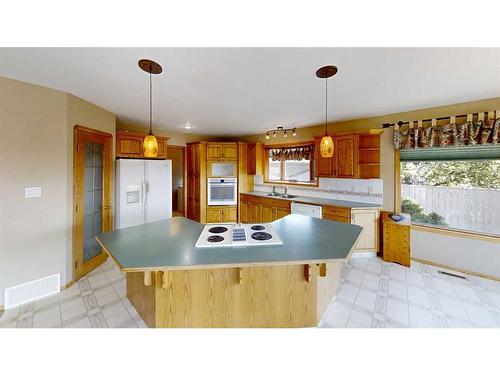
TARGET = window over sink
(290,164)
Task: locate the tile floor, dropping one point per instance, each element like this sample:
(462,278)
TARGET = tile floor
(372,294)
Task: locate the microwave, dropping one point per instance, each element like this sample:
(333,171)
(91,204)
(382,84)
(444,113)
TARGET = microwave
(222,191)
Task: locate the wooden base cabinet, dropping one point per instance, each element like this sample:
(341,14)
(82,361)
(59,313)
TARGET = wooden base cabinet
(255,209)
(221,214)
(366,218)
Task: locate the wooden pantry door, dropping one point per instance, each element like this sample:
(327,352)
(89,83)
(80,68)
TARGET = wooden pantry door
(91,197)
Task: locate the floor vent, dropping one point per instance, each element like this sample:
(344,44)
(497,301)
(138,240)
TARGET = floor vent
(32,290)
(452,274)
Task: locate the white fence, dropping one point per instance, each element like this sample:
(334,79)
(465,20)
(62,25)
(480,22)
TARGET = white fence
(472,209)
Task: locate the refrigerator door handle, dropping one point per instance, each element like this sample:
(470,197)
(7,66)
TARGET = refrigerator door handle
(144,200)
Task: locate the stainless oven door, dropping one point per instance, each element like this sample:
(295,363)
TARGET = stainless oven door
(222,191)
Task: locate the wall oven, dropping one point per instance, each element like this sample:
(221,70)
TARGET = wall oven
(222,191)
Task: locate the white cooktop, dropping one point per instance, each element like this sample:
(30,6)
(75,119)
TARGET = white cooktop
(215,235)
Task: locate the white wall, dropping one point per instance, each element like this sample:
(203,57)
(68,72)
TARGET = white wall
(479,256)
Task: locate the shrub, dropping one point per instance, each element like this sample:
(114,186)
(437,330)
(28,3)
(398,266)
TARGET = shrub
(416,211)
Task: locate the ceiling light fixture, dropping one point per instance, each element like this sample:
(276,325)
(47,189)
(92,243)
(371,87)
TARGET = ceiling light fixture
(150,143)
(281,129)
(188,126)
(326,145)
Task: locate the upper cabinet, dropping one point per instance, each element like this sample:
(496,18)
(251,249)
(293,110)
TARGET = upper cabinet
(356,155)
(222,151)
(129,145)
(254,159)
(347,156)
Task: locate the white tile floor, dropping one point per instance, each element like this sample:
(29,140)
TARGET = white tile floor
(372,294)
(377,294)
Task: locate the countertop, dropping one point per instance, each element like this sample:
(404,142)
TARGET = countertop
(318,201)
(170,244)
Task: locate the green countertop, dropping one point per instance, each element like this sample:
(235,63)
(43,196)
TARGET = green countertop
(169,244)
(319,201)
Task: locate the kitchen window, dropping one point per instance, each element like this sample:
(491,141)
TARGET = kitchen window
(454,188)
(290,165)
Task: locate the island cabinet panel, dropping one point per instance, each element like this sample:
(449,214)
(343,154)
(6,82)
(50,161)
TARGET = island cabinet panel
(328,285)
(266,296)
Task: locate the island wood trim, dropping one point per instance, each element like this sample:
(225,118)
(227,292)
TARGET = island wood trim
(322,269)
(147,278)
(307,272)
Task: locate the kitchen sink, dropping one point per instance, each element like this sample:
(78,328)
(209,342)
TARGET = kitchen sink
(288,196)
(274,195)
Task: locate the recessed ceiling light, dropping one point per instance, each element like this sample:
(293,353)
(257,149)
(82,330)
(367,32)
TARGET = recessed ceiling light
(188,126)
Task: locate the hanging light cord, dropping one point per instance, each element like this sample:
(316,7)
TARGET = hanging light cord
(326,106)
(150,103)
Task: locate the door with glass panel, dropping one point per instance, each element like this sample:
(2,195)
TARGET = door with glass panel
(91,197)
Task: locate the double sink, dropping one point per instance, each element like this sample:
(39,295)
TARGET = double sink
(286,196)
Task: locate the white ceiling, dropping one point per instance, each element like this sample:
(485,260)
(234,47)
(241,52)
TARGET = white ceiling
(240,91)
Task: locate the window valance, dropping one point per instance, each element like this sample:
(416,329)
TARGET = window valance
(469,133)
(292,153)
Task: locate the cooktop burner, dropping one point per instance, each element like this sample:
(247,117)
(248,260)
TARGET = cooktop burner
(218,230)
(261,236)
(215,239)
(257,227)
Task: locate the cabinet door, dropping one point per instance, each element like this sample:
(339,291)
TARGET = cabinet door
(230,152)
(281,212)
(128,145)
(339,218)
(244,209)
(214,151)
(347,151)
(229,214)
(162,148)
(255,213)
(214,215)
(325,167)
(368,219)
(196,161)
(251,159)
(268,214)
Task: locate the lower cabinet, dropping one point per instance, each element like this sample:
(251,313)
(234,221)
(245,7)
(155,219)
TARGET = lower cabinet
(221,214)
(262,210)
(366,218)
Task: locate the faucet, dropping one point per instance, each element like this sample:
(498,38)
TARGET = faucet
(274,190)
(286,190)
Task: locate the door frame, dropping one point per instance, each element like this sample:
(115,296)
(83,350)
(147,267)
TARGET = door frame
(184,173)
(79,131)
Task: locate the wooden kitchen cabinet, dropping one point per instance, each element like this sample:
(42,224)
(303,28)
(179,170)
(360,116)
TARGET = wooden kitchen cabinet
(347,155)
(325,167)
(366,218)
(222,151)
(262,210)
(129,145)
(196,165)
(221,214)
(254,159)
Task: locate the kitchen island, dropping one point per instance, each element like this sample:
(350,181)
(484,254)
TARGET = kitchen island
(171,283)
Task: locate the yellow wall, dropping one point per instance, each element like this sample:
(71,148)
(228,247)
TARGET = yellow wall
(387,149)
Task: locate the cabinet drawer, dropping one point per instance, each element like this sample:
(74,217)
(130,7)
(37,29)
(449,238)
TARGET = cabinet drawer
(341,219)
(337,211)
(249,198)
(275,202)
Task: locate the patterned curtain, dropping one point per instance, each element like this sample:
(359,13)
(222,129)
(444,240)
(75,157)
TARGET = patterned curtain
(470,133)
(292,153)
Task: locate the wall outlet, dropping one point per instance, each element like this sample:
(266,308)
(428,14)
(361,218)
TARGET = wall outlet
(32,192)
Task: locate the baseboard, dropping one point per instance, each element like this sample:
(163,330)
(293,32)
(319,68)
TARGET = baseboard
(67,285)
(452,268)
(364,254)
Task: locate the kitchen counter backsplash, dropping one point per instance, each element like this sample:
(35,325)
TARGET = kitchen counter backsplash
(357,190)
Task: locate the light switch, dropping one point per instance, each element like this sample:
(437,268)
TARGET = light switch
(32,192)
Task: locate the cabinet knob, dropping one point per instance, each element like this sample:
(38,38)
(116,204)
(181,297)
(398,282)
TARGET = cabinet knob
(106,207)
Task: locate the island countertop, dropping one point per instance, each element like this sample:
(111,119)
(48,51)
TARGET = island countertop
(319,201)
(170,245)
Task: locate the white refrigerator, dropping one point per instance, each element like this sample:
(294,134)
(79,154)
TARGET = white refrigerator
(143,191)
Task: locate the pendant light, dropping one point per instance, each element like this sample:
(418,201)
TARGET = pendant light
(150,143)
(326,145)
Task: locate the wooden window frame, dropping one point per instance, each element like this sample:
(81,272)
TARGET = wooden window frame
(265,158)
(456,232)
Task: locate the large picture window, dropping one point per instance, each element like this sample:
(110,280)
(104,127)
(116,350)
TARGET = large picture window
(290,164)
(455,188)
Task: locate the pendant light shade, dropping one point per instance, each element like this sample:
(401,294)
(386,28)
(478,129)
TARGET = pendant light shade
(150,146)
(150,143)
(326,145)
